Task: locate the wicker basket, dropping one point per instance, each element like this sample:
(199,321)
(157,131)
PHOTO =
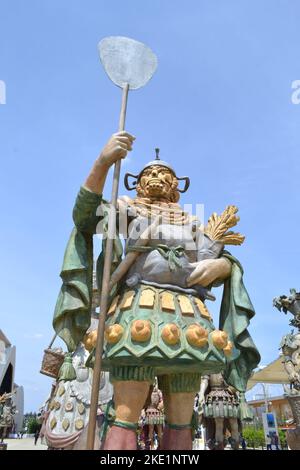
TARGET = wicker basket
(52,360)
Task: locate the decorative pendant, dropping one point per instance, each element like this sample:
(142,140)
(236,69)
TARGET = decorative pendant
(79,424)
(65,424)
(81,408)
(69,406)
(53,423)
(61,391)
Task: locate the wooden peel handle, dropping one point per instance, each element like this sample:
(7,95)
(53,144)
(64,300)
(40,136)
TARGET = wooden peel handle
(105,286)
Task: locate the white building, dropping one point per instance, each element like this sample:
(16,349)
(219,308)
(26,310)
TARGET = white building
(7,374)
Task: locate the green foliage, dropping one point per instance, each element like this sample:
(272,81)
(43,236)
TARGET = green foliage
(32,425)
(254,437)
(282,438)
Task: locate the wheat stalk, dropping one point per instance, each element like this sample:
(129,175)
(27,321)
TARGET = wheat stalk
(218,225)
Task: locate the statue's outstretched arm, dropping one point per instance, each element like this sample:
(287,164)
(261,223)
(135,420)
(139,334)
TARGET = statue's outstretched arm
(115,149)
(90,195)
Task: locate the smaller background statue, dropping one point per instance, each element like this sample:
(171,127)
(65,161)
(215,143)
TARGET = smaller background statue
(290,346)
(154,417)
(290,343)
(7,412)
(221,410)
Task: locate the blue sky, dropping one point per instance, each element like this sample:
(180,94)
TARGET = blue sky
(219,107)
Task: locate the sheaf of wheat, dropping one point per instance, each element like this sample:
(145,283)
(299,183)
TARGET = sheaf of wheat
(218,225)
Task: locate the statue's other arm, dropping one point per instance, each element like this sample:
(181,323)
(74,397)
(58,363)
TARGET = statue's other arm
(210,270)
(290,368)
(203,388)
(90,194)
(201,400)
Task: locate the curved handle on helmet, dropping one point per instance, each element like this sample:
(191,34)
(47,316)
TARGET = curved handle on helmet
(126,182)
(186,186)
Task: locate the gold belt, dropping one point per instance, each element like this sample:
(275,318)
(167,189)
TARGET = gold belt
(164,299)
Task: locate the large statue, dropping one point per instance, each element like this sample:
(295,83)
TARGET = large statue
(290,346)
(157,323)
(222,408)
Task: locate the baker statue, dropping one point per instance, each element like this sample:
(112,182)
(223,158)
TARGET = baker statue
(157,323)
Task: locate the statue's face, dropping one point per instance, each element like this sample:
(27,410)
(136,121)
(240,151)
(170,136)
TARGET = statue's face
(157,182)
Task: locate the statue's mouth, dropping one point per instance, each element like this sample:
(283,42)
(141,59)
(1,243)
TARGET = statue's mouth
(155,184)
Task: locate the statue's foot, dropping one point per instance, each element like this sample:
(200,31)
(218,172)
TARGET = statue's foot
(177,439)
(120,439)
(218,446)
(235,444)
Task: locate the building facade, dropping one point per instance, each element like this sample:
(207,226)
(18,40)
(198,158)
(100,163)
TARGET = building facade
(278,405)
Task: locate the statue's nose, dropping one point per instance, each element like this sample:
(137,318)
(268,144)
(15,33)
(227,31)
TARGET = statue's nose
(154,173)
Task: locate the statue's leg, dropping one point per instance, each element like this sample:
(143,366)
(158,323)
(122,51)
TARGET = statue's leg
(159,434)
(146,437)
(219,435)
(179,392)
(151,436)
(129,399)
(235,435)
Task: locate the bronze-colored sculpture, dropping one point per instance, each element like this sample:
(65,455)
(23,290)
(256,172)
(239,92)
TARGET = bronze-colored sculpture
(221,409)
(154,416)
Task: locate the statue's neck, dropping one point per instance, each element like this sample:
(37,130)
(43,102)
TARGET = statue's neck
(155,201)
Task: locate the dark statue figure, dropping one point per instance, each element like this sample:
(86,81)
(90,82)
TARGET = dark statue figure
(290,346)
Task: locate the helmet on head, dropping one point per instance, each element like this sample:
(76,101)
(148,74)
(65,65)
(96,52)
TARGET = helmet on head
(157,162)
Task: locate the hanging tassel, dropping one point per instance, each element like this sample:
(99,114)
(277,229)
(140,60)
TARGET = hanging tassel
(67,371)
(245,412)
